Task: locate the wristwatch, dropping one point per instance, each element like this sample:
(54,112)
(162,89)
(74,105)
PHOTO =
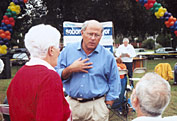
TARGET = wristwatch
(108,106)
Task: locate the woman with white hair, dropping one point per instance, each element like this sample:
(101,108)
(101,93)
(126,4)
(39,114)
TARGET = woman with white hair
(150,98)
(36,91)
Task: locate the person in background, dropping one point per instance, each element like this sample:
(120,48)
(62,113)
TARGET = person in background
(120,101)
(175,74)
(36,91)
(150,98)
(90,75)
(121,66)
(127,52)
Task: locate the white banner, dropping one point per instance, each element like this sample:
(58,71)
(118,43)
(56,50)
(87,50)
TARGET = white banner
(72,33)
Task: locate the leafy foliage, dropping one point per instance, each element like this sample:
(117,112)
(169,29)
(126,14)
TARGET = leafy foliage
(129,17)
(149,44)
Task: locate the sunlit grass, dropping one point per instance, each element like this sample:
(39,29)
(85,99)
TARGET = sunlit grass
(170,110)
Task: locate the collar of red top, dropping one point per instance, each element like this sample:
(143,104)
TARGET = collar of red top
(38,61)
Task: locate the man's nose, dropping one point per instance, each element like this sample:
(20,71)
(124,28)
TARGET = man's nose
(93,36)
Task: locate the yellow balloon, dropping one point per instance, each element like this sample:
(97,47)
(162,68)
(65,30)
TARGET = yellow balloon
(17,7)
(1,50)
(12,3)
(4,47)
(4,51)
(161,14)
(18,12)
(13,8)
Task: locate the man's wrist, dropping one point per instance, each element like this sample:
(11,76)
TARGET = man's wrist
(108,106)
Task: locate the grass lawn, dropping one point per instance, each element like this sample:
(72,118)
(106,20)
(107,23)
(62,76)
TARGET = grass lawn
(171,109)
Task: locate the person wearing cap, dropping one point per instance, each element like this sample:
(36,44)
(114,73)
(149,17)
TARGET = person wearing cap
(36,91)
(127,52)
(150,98)
(90,75)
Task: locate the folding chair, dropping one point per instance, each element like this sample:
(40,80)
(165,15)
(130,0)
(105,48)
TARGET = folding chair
(138,71)
(4,109)
(119,109)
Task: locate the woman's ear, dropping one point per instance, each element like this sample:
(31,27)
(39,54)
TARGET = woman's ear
(50,51)
(135,102)
(134,99)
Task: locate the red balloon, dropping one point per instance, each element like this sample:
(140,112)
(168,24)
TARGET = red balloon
(6,22)
(3,35)
(151,5)
(11,19)
(8,37)
(5,17)
(7,33)
(1,31)
(137,0)
(170,18)
(175,32)
(25,1)
(12,23)
(146,6)
(172,23)
(3,21)
(153,1)
(167,24)
(174,19)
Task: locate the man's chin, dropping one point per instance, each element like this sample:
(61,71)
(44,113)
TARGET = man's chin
(91,47)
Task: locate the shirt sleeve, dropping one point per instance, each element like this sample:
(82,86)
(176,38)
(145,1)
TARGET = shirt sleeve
(61,64)
(118,52)
(132,52)
(51,104)
(113,82)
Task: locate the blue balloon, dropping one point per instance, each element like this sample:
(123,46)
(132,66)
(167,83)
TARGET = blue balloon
(175,24)
(9,26)
(145,1)
(175,28)
(169,14)
(6,40)
(3,24)
(1,42)
(166,18)
(4,28)
(11,30)
(172,27)
(7,44)
(165,14)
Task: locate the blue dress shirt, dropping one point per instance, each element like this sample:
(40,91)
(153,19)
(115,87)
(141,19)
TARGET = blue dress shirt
(102,79)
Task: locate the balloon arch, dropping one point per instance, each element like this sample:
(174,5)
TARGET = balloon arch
(15,7)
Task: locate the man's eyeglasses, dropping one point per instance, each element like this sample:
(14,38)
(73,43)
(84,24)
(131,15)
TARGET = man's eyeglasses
(93,34)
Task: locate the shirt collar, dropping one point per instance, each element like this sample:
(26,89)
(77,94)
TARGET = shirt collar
(97,49)
(37,61)
(147,118)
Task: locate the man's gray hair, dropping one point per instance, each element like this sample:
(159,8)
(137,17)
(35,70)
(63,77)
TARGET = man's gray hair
(153,93)
(39,38)
(86,23)
(126,40)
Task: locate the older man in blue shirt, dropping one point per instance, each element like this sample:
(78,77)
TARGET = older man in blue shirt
(90,75)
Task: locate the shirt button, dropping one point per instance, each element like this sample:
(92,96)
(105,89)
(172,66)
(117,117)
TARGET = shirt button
(83,76)
(82,85)
(81,95)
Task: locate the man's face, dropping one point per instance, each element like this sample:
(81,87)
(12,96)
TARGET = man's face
(125,43)
(91,36)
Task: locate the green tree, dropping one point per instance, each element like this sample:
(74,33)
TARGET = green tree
(164,40)
(148,44)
